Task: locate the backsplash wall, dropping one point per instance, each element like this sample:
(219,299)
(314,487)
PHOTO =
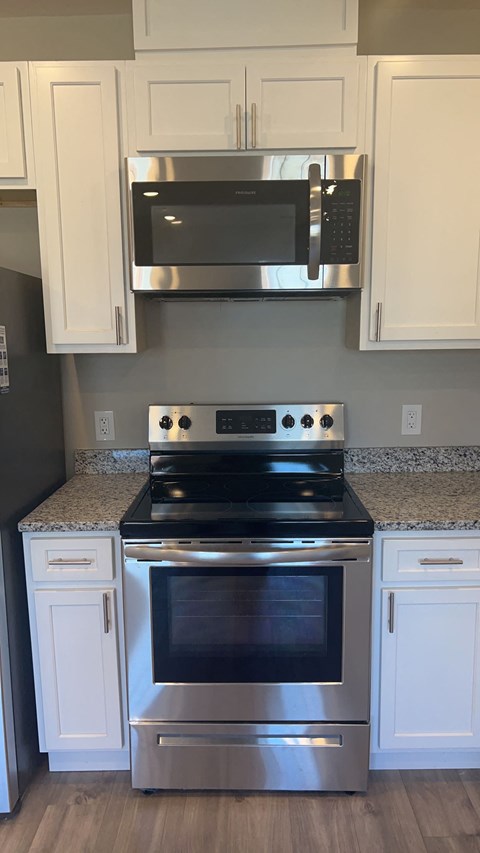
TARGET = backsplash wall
(270,352)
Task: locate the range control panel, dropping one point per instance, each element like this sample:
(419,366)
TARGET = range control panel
(298,425)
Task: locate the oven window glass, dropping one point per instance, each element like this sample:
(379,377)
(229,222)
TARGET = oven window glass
(224,222)
(247,625)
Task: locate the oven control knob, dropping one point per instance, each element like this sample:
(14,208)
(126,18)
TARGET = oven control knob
(288,421)
(165,422)
(307,422)
(326,421)
(184,422)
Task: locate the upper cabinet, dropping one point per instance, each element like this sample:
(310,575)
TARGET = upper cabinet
(226,106)
(159,25)
(425,220)
(77,111)
(16,150)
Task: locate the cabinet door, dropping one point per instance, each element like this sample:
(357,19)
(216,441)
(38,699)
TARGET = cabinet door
(303,104)
(188,107)
(79,669)
(429,682)
(426,219)
(159,25)
(12,148)
(77,148)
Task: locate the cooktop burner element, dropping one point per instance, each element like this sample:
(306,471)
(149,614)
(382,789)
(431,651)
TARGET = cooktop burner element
(224,475)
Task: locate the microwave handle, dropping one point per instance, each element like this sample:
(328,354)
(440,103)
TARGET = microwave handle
(315,181)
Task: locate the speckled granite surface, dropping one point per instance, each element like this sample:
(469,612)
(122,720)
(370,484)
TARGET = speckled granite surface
(111,461)
(86,502)
(421,501)
(411,459)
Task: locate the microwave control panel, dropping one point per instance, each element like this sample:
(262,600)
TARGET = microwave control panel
(340,236)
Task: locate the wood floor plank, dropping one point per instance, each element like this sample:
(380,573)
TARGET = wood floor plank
(322,824)
(142,825)
(441,804)
(458,844)
(259,822)
(17,833)
(384,819)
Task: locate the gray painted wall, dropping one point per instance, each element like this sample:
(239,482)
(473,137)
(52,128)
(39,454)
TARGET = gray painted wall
(262,352)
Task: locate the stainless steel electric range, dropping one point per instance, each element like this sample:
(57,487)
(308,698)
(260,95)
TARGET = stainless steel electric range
(247,601)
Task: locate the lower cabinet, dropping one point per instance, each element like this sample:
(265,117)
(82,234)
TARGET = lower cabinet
(425,710)
(78,656)
(74,588)
(430,684)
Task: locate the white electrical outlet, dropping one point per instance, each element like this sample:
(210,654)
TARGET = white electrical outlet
(411,419)
(104,426)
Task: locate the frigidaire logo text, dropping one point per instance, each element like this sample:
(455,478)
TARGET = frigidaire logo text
(245,192)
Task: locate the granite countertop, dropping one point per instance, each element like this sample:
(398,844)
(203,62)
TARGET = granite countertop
(447,500)
(86,502)
(443,500)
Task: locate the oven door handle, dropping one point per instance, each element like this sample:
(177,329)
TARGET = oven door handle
(238,554)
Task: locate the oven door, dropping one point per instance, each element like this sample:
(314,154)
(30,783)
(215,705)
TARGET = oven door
(248,631)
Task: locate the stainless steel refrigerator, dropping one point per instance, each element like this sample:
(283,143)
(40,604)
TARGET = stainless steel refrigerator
(32,466)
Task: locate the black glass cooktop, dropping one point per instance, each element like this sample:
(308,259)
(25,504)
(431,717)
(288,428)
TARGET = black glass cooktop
(243,505)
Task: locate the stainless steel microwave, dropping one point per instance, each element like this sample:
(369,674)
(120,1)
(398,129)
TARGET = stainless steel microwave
(286,225)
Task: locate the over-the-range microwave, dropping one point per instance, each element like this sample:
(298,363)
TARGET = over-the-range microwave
(282,226)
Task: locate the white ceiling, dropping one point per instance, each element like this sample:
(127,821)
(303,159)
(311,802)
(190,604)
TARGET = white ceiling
(33,8)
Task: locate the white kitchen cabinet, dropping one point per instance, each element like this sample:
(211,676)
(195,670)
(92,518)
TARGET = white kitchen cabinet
(425,709)
(215,24)
(220,106)
(77,112)
(430,682)
(16,149)
(74,590)
(424,127)
(79,670)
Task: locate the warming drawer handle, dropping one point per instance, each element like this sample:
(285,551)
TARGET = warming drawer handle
(61,562)
(233,556)
(248,740)
(315,181)
(446,561)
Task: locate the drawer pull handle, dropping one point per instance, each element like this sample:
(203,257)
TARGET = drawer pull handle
(61,562)
(391,612)
(106,618)
(447,561)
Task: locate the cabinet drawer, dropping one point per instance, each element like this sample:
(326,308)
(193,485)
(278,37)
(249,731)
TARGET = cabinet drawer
(75,559)
(431,559)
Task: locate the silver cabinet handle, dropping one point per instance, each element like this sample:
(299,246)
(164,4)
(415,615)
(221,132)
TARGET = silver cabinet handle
(106,619)
(254,125)
(315,236)
(391,612)
(61,562)
(239,126)
(378,322)
(447,561)
(118,324)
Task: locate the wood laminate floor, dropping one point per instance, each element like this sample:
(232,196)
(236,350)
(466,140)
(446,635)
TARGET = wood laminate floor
(415,811)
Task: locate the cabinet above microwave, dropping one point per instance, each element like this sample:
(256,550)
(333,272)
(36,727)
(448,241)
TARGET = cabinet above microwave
(220,227)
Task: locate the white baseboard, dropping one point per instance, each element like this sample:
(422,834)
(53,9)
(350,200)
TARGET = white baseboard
(425,760)
(114,759)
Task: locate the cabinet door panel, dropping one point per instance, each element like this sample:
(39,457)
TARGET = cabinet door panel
(426,227)
(76,125)
(189,108)
(213,23)
(429,683)
(303,104)
(79,669)
(12,151)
